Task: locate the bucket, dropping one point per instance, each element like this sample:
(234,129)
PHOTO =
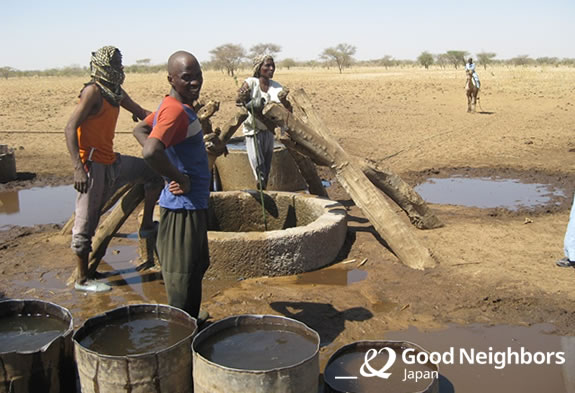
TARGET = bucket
(35,347)
(137,348)
(7,164)
(256,354)
(366,367)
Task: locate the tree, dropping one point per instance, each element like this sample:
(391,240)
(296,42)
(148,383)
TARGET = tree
(442,60)
(425,59)
(5,72)
(265,49)
(341,55)
(485,58)
(387,61)
(521,60)
(287,63)
(457,57)
(228,57)
(144,62)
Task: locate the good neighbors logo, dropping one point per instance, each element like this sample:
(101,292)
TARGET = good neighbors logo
(405,364)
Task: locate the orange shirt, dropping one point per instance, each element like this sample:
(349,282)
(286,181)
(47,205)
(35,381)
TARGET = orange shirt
(97,132)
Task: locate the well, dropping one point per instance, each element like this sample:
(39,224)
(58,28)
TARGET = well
(377,366)
(304,233)
(165,369)
(256,340)
(235,172)
(47,368)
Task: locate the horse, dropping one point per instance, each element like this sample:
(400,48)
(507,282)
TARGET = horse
(471,91)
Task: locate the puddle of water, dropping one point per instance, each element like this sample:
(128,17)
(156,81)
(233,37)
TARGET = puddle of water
(46,280)
(480,378)
(29,332)
(39,205)
(135,334)
(487,192)
(331,277)
(120,263)
(261,347)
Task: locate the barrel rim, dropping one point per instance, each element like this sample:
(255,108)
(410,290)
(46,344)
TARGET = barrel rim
(64,334)
(205,333)
(90,322)
(349,346)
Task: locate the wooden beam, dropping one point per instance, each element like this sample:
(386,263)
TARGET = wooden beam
(113,223)
(383,178)
(325,151)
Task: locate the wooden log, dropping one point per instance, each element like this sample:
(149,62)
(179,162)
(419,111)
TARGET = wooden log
(309,172)
(383,178)
(67,228)
(373,204)
(112,223)
(401,193)
(205,112)
(225,134)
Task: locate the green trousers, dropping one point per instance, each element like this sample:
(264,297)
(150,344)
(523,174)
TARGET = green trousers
(182,246)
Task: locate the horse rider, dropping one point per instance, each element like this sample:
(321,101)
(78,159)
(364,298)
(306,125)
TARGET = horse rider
(470,67)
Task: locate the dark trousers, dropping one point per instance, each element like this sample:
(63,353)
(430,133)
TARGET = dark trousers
(182,246)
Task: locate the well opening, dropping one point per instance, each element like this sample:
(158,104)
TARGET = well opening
(304,233)
(245,214)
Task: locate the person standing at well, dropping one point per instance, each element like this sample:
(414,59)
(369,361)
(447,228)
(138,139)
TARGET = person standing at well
(254,93)
(98,170)
(173,145)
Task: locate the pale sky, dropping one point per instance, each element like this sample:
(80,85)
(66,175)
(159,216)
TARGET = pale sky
(46,34)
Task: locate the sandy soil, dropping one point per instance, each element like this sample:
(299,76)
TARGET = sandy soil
(496,266)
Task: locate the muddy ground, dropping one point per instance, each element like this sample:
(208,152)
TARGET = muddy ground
(496,266)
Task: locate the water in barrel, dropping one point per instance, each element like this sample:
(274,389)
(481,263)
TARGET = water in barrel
(29,332)
(135,334)
(358,370)
(262,347)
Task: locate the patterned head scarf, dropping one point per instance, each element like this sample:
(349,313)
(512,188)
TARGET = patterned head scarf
(107,76)
(258,62)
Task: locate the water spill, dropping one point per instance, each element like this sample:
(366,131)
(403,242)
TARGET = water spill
(135,334)
(487,192)
(29,332)
(262,347)
(46,280)
(39,205)
(342,374)
(513,377)
(331,277)
(120,263)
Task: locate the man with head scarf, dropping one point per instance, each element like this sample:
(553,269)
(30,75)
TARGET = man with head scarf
(254,93)
(98,170)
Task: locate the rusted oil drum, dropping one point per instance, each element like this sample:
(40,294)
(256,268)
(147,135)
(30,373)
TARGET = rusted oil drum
(256,354)
(137,348)
(35,347)
(378,366)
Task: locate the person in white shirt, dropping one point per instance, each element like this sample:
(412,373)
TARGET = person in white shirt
(254,93)
(470,67)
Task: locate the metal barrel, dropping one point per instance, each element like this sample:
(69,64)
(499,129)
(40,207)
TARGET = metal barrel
(49,368)
(336,381)
(300,377)
(165,370)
